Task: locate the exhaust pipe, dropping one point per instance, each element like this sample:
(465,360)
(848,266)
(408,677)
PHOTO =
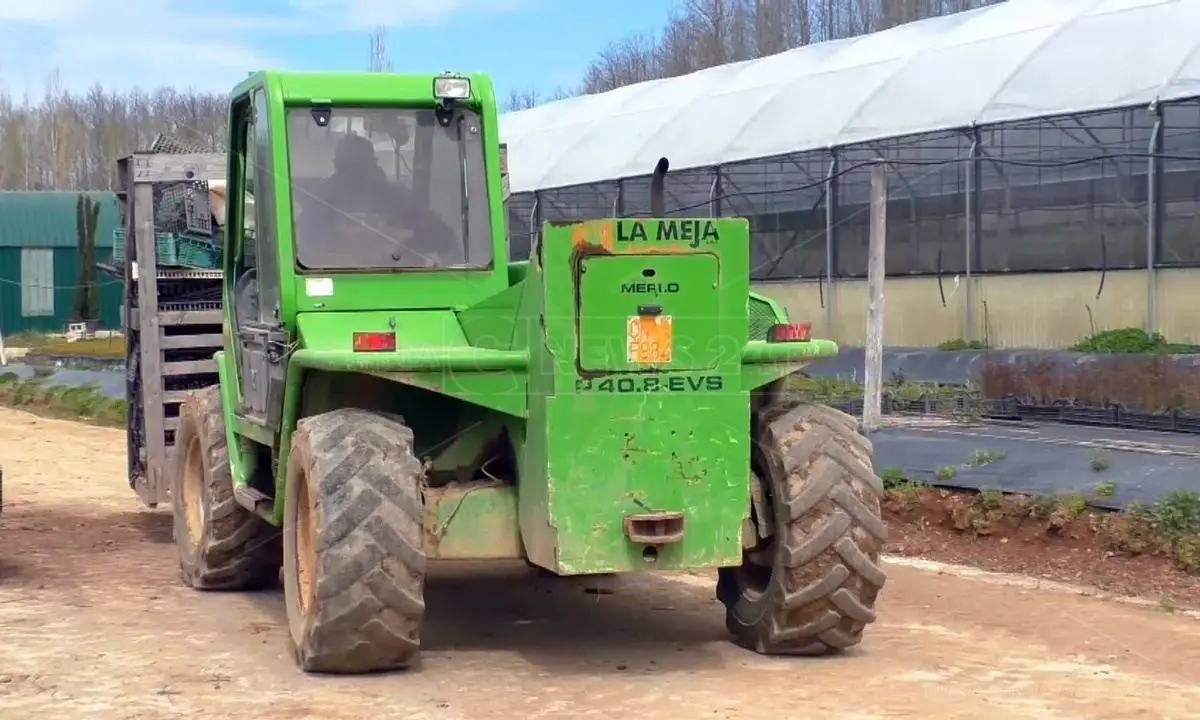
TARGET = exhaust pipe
(658,204)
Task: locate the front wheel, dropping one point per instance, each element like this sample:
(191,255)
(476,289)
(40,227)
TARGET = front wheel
(354,566)
(809,588)
(222,545)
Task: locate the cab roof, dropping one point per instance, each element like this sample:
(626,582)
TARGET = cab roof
(307,88)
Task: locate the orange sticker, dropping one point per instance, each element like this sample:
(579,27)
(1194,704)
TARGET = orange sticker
(649,340)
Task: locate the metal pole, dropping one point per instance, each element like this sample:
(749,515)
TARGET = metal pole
(714,193)
(876,269)
(972,236)
(831,202)
(1154,219)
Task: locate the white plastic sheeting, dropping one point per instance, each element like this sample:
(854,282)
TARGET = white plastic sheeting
(1020,59)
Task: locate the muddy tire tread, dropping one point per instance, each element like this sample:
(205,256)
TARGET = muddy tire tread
(370,559)
(239,550)
(825,497)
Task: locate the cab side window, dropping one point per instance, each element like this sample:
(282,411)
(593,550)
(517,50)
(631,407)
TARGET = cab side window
(265,230)
(257,289)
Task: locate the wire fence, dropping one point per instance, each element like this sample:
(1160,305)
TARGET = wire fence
(1109,190)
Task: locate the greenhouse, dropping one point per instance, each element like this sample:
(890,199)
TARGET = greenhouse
(1029,136)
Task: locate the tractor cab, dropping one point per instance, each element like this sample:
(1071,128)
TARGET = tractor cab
(356,197)
(338,184)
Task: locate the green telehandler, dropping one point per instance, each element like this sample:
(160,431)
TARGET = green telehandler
(393,391)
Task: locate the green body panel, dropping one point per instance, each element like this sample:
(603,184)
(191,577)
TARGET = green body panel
(613,456)
(422,291)
(611,288)
(478,522)
(493,322)
(542,434)
(242,462)
(603,446)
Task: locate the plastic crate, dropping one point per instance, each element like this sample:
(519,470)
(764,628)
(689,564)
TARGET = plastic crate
(197,213)
(174,251)
(199,254)
(186,252)
(118,246)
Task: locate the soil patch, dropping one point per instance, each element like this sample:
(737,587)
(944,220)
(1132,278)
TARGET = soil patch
(1045,538)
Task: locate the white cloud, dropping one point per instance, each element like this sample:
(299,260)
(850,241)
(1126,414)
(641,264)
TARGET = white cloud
(138,42)
(44,11)
(186,44)
(362,14)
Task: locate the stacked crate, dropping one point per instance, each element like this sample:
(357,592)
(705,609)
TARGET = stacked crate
(170,252)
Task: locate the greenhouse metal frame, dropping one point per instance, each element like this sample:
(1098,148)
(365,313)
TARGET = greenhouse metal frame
(1029,136)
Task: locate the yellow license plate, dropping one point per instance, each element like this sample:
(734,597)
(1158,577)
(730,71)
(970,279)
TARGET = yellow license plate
(649,340)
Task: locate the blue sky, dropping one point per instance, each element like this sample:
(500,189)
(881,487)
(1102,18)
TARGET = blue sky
(210,44)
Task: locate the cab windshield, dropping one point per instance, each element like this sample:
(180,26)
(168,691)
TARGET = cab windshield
(388,188)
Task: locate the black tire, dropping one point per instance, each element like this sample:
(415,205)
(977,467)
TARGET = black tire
(809,588)
(221,545)
(354,565)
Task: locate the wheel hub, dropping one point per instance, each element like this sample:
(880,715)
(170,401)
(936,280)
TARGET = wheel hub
(758,562)
(193,488)
(306,547)
(754,574)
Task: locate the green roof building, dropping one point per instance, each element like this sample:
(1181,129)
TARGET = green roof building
(40,261)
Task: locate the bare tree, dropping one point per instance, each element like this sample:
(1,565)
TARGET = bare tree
(703,33)
(630,60)
(67,141)
(522,99)
(529,97)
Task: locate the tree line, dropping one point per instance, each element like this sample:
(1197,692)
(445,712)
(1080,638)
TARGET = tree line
(64,140)
(67,141)
(705,33)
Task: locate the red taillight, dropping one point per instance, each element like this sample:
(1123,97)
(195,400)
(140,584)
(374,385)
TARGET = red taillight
(790,332)
(374,341)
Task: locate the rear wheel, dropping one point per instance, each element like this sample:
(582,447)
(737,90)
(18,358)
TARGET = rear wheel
(222,546)
(810,587)
(354,566)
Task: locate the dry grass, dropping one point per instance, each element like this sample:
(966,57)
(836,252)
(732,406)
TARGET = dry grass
(84,403)
(1149,383)
(111,347)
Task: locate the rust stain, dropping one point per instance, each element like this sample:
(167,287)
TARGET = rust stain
(606,236)
(597,233)
(579,236)
(601,234)
(584,248)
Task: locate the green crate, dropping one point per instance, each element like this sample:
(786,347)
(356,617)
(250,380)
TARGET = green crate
(199,254)
(186,252)
(172,250)
(118,253)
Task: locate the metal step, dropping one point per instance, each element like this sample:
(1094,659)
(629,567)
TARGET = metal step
(257,502)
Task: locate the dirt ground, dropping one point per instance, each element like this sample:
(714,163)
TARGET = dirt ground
(94,624)
(1088,549)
